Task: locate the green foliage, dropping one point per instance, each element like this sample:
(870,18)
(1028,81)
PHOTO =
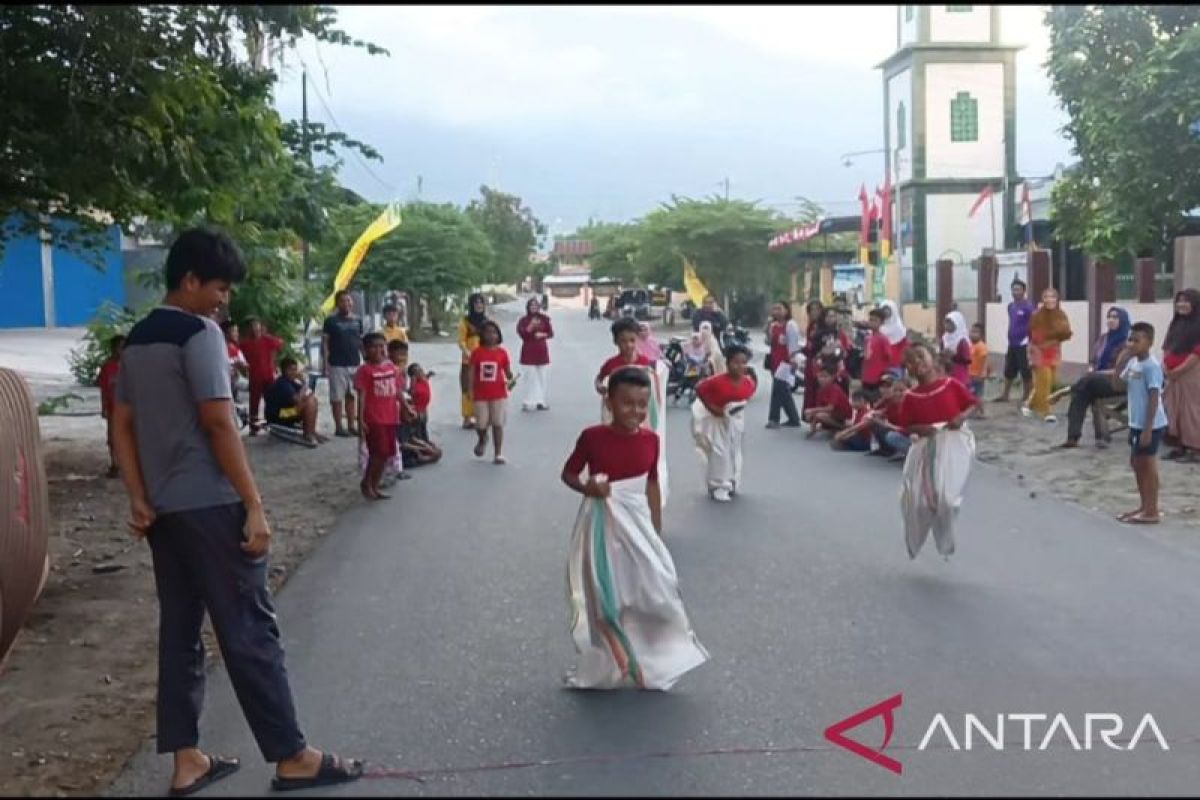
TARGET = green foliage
(52,405)
(1126,77)
(512,230)
(85,361)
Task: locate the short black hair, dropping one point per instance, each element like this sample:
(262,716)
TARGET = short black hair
(630,376)
(622,325)
(491,324)
(389,308)
(1018,282)
(738,349)
(396,345)
(208,253)
(227,324)
(876,312)
(250,320)
(858,394)
(338,294)
(1142,327)
(286,362)
(412,369)
(115,341)
(825,370)
(372,337)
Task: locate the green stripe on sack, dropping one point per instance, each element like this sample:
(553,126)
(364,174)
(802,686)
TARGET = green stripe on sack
(608,598)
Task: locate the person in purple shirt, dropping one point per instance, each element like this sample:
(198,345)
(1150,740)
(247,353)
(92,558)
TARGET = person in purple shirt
(1016,360)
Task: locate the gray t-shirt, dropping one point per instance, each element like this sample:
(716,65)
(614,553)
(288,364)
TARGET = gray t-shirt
(173,361)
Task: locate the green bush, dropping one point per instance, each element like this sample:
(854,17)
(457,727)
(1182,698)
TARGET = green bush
(110,320)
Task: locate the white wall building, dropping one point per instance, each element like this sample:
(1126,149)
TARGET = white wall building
(950,106)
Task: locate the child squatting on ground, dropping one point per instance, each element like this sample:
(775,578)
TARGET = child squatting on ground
(1143,379)
(627,617)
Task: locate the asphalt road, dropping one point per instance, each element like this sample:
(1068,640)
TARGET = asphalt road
(429,633)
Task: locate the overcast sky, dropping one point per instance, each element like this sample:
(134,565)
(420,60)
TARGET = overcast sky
(605,111)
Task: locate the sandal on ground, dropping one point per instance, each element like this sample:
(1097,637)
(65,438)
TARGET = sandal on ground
(500,460)
(1175,454)
(1128,514)
(334,770)
(217,768)
(342,433)
(1138,519)
(1069,443)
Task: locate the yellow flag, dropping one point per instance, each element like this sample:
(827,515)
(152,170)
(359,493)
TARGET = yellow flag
(696,290)
(384,224)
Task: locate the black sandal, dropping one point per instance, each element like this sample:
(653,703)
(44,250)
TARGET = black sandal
(334,770)
(217,768)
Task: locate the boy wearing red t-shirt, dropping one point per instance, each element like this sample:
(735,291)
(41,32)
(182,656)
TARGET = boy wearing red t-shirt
(378,412)
(491,378)
(855,437)
(621,450)
(893,440)
(260,349)
(625,337)
(832,407)
(720,439)
(107,381)
(878,357)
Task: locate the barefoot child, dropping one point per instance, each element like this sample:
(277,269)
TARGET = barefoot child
(831,407)
(397,350)
(378,412)
(718,423)
(627,618)
(855,437)
(981,367)
(260,349)
(939,459)
(491,379)
(1143,380)
(107,381)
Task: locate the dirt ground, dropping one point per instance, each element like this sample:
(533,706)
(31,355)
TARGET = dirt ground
(77,690)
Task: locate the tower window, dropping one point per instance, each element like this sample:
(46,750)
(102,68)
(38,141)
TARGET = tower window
(908,13)
(960,9)
(964,118)
(901,127)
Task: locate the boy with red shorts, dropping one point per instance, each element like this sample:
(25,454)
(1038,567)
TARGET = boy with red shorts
(378,411)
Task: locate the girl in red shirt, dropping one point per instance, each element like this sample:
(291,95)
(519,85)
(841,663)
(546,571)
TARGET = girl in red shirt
(535,331)
(878,357)
(491,379)
(718,423)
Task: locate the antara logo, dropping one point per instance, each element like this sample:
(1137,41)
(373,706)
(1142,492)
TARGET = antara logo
(1107,727)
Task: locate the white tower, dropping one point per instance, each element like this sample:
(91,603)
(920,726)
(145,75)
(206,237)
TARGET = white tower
(949,99)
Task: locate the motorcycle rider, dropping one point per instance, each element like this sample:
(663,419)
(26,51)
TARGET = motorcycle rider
(711,314)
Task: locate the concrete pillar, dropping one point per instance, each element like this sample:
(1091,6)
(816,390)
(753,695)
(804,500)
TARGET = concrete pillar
(986,290)
(1187,263)
(826,283)
(1101,285)
(1040,277)
(892,284)
(1144,270)
(944,269)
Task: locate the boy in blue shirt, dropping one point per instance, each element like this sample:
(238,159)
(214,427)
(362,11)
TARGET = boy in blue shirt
(1143,380)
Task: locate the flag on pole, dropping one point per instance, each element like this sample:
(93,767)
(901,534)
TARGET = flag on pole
(979,201)
(1027,216)
(864,231)
(384,224)
(696,290)
(885,205)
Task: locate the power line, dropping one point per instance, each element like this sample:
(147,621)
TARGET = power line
(333,118)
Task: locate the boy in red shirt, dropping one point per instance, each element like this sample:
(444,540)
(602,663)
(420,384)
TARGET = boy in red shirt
(878,357)
(718,435)
(491,378)
(625,337)
(107,381)
(855,437)
(832,407)
(378,412)
(893,440)
(260,349)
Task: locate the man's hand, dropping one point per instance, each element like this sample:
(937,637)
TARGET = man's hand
(141,517)
(596,489)
(258,533)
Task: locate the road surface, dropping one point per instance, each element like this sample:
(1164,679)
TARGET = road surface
(429,633)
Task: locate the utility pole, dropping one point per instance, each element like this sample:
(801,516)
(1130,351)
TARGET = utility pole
(307,153)
(726,189)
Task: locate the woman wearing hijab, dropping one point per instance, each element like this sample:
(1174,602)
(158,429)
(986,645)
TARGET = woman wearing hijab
(893,328)
(956,347)
(715,356)
(535,329)
(1048,329)
(1181,360)
(813,312)
(469,329)
(1098,384)
(647,345)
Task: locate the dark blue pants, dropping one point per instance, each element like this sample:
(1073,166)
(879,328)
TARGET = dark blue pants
(782,400)
(199,565)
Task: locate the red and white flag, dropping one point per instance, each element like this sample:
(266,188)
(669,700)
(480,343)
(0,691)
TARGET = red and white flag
(983,198)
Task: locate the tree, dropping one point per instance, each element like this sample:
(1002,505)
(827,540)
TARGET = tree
(512,230)
(147,111)
(1126,77)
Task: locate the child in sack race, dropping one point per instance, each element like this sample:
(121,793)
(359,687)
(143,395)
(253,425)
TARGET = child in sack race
(627,616)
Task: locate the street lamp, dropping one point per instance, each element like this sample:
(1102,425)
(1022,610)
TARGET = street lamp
(846,157)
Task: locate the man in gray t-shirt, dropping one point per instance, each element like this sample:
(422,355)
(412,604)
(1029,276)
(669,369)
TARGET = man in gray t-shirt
(193,496)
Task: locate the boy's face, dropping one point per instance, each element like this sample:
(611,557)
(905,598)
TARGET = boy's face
(1140,343)
(232,333)
(418,374)
(627,342)
(629,405)
(345,304)
(376,351)
(860,402)
(256,328)
(399,357)
(920,362)
(736,366)
(204,298)
(976,335)
(391,317)
(874,322)
(292,372)
(898,390)
(824,378)
(489,336)
(1018,292)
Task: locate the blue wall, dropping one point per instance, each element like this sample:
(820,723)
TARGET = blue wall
(21,281)
(80,288)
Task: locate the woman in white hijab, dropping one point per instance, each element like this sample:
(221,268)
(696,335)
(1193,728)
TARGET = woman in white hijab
(956,347)
(893,328)
(715,356)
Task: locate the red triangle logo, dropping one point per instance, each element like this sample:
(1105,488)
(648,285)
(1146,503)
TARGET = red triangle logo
(836,733)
